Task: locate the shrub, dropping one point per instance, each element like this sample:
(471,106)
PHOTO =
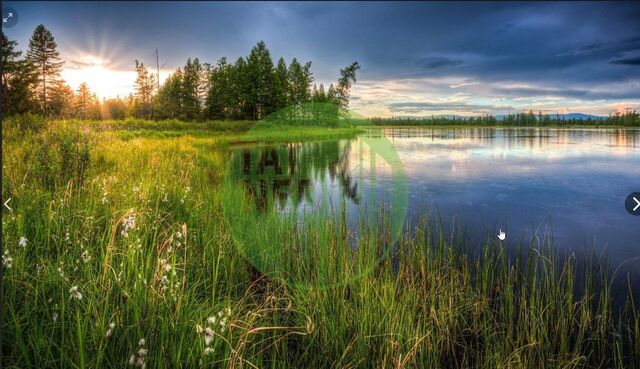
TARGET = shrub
(19,124)
(62,155)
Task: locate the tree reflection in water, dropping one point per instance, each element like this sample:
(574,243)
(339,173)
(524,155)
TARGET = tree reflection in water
(287,173)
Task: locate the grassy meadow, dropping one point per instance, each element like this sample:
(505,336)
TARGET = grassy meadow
(117,254)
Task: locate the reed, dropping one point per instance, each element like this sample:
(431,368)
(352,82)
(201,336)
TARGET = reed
(127,261)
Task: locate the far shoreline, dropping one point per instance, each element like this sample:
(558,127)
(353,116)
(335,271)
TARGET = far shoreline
(593,126)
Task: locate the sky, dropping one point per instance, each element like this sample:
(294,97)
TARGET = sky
(418,59)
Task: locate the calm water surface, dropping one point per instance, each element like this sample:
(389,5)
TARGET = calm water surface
(570,183)
(573,181)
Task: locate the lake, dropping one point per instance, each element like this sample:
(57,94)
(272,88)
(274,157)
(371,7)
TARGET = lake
(568,184)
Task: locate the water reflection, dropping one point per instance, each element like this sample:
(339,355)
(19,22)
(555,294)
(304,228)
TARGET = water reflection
(289,175)
(528,180)
(524,180)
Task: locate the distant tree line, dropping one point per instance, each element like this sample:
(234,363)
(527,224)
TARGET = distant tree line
(628,119)
(248,89)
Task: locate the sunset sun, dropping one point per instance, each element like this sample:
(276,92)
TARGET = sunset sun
(96,72)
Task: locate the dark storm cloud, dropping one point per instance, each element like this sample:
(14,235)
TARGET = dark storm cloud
(627,61)
(587,94)
(431,63)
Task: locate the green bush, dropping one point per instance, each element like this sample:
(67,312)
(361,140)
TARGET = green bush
(20,124)
(62,155)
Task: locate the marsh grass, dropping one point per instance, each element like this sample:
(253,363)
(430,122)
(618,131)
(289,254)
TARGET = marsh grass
(140,230)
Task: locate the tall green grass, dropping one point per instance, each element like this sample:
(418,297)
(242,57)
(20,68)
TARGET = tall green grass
(136,228)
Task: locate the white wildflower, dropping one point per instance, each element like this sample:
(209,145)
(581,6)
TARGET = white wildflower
(110,330)
(208,351)
(55,317)
(22,242)
(75,293)
(164,281)
(128,224)
(138,358)
(208,336)
(212,319)
(7,260)
(86,257)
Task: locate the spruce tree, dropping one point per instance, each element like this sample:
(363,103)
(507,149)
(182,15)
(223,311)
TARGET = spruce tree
(18,80)
(261,80)
(240,91)
(43,55)
(300,79)
(347,78)
(144,86)
(281,85)
(83,101)
(217,103)
(167,102)
(191,79)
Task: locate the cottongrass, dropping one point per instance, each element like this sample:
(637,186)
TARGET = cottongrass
(128,224)
(110,330)
(138,358)
(7,260)
(22,242)
(86,256)
(219,322)
(75,293)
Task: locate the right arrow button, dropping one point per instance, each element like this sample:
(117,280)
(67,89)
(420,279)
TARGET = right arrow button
(632,203)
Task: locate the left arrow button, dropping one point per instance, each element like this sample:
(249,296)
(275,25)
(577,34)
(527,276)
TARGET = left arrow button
(6,203)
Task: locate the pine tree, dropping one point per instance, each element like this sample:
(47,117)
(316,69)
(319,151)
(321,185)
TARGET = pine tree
(86,104)
(261,79)
(144,85)
(83,101)
(60,103)
(9,60)
(300,79)
(331,94)
(281,85)
(18,80)
(167,104)
(43,55)
(191,89)
(319,96)
(217,103)
(240,105)
(343,90)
